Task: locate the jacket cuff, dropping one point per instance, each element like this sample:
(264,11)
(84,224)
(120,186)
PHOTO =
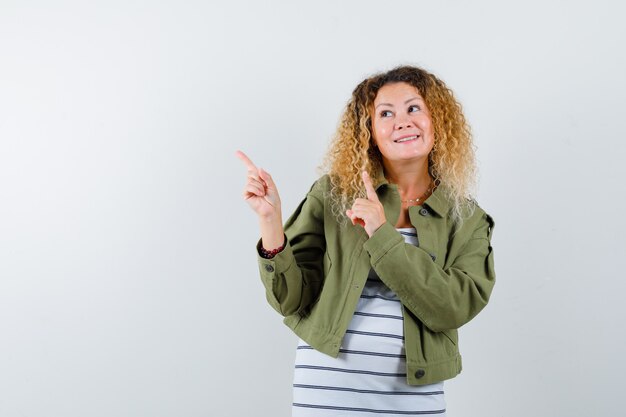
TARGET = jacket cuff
(381,242)
(276,265)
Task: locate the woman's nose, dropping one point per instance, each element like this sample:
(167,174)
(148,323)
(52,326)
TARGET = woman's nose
(404,123)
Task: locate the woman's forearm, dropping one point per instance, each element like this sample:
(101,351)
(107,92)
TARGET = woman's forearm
(272,232)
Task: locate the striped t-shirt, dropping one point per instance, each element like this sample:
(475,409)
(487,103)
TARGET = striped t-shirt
(368,378)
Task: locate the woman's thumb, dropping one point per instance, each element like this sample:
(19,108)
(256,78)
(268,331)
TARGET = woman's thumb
(265,176)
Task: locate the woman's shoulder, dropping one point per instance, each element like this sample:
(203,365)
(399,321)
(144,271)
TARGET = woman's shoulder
(476,219)
(321,187)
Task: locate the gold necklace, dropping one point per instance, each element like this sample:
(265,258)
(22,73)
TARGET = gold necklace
(421,197)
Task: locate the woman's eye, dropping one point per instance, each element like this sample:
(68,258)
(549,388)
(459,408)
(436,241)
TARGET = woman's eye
(385,113)
(413,109)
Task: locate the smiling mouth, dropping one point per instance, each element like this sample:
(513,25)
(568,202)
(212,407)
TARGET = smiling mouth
(407,139)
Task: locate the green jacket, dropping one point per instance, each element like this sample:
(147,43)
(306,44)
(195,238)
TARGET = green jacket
(316,281)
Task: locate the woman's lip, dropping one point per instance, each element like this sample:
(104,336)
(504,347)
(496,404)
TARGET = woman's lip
(407,136)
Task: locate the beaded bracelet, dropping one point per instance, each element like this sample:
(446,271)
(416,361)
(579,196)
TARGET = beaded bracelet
(269,254)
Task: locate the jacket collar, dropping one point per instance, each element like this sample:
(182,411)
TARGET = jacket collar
(437,201)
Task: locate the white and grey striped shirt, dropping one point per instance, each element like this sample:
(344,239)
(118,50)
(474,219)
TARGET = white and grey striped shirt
(368,378)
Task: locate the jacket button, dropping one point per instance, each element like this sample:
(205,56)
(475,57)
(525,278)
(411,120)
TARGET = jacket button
(420,373)
(269,268)
(432,256)
(424,212)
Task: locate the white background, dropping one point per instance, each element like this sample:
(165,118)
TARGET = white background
(128,280)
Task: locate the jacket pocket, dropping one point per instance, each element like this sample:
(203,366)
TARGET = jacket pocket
(326,268)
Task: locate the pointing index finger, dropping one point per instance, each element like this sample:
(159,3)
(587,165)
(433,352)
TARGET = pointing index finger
(244,158)
(369,187)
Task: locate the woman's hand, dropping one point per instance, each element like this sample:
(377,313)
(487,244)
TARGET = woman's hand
(368,212)
(260,191)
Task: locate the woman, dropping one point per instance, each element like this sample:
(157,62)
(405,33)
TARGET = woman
(377,300)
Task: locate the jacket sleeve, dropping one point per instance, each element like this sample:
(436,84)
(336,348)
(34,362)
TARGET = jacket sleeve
(442,299)
(293,278)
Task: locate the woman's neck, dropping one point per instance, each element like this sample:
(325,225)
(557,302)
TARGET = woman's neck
(413,180)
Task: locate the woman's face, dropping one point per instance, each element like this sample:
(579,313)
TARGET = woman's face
(401,123)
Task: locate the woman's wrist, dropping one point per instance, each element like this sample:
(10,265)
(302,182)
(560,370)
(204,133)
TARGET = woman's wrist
(270,253)
(272,232)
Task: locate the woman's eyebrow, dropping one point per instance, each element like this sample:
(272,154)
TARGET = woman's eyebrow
(391,105)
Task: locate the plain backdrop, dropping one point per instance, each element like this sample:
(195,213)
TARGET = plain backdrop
(128,277)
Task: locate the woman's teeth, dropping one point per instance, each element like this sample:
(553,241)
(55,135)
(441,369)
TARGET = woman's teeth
(406,139)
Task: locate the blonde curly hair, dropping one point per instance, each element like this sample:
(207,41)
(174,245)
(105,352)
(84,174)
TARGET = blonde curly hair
(451,162)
